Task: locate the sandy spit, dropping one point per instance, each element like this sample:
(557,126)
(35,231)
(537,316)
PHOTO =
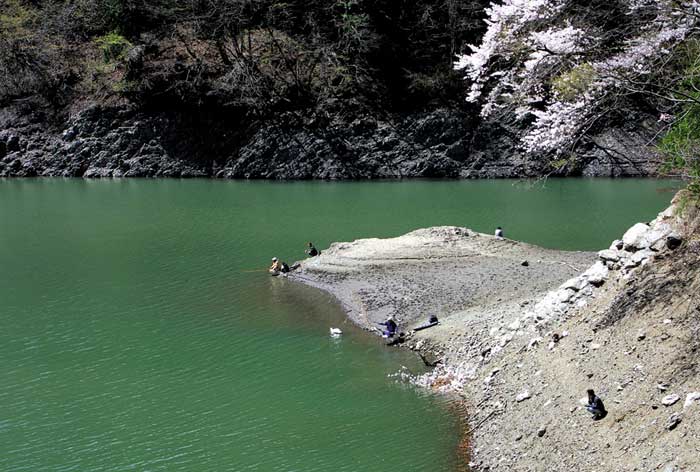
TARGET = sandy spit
(441,270)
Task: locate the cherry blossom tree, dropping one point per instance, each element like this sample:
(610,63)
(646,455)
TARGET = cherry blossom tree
(558,75)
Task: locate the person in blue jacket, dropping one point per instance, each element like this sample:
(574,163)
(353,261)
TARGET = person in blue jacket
(391,326)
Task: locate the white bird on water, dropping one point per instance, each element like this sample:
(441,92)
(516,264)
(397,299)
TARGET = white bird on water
(335,332)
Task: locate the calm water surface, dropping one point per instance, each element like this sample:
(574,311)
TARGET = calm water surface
(136,335)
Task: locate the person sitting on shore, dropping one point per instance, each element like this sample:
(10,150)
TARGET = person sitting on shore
(391,327)
(499,233)
(284,268)
(275,267)
(312,251)
(595,406)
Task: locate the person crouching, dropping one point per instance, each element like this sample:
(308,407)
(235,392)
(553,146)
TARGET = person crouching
(275,267)
(390,326)
(595,406)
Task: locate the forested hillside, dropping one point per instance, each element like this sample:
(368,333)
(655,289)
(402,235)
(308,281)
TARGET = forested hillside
(332,89)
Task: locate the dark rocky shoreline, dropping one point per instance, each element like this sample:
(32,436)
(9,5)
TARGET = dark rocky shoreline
(125,141)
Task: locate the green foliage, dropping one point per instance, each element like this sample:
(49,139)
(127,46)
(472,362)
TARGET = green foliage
(26,57)
(687,200)
(126,17)
(681,148)
(114,47)
(16,19)
(681,144)
(572,84)
(567,162)
(123,86)
(353,26)
(105,13)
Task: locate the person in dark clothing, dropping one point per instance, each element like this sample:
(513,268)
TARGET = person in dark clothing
(595,406)
(285,268)
(391,326)
(312,251)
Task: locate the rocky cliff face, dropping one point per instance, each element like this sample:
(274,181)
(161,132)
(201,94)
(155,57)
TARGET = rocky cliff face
(123,141)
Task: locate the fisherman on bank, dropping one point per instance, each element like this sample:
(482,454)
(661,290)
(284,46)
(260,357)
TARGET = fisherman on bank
(312,251)
(595,405)
(275,267)
(499,233)
(391,326)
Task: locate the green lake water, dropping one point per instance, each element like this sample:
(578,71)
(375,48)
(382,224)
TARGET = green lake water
(135,334)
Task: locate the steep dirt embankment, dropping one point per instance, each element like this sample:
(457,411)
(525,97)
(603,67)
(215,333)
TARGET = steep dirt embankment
(522,357)
(634,340)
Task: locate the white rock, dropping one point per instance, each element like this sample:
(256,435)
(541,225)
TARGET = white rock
(576,284)
(659,245)
(597,273)
(563,296)
(667,213)
(669,400)
(609,255)
(691,398)
(641,256)
(634,238)
(562,307)
(656,233)
(630,264)
(595,346)
(505,339)
(617,244)
(522,396)
(514,326)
